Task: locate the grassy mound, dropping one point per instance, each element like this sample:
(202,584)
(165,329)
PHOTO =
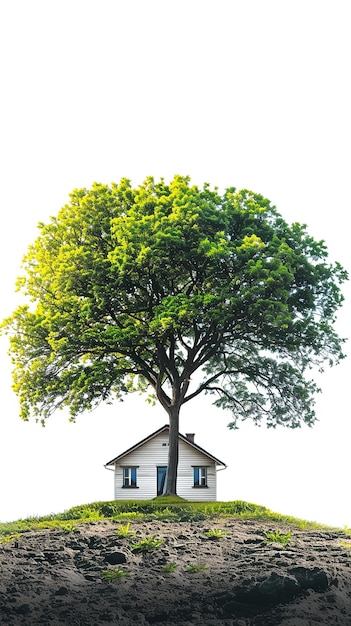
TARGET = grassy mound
(161,508)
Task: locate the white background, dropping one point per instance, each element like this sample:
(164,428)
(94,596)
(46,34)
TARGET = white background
(245,93)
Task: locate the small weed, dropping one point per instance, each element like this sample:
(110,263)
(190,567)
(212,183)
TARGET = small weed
(169,568)
(147,544)
(215,533)
(124,531)
(70,527)
(193,569)
(9,538)
(114,574)
(346,544)
(278,537)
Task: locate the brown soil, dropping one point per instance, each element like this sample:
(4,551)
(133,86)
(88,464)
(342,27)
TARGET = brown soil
(54,578)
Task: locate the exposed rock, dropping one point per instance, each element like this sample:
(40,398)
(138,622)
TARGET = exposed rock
(115,558)
(310,578)
(62,591)
(277,588)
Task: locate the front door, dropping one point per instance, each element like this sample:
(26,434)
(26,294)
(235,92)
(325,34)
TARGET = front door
(161,477)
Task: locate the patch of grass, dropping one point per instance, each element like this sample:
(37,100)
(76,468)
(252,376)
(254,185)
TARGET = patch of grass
(346,544)
(88,513)
(164,514)
(124,531)
(195,568)
(168,500)
(147,544)
(110,575)
(69,527)
(215,533)
(133,516)
(169,568)
(9,538)
(278,537)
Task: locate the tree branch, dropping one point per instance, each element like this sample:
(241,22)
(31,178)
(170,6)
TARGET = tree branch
(203,386)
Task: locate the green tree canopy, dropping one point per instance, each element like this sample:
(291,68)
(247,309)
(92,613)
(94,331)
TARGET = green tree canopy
(141,288)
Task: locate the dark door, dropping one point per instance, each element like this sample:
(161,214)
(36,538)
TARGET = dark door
(161,477)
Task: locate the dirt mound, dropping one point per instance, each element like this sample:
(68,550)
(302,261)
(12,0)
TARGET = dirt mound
(56,578)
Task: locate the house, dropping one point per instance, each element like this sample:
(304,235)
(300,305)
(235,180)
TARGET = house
(140,471)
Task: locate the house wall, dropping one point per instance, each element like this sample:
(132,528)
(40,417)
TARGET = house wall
(155,453)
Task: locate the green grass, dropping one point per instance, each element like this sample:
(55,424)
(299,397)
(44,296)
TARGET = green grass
(124,531)
(69,527)
(215,533)
(147,544)
(9,538)
(169,568)
(162,508)
(278,537)
(194,569)
(110,575)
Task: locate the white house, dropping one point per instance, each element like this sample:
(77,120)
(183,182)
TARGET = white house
(140,471)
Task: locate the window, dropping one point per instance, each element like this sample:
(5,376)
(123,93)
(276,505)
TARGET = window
(129,477)
(200,477)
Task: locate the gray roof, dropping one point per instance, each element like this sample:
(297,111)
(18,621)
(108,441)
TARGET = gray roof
(157,432)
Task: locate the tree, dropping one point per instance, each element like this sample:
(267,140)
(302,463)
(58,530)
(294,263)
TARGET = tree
(180,291)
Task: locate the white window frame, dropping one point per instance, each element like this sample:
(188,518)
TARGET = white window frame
(201,471)
(130,481)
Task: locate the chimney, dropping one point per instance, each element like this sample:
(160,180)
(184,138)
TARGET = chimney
(190,437)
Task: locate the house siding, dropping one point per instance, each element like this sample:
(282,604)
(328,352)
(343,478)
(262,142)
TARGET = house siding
(154,453)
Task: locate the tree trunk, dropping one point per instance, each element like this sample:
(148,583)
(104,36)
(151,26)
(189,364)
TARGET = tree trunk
(170,488)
